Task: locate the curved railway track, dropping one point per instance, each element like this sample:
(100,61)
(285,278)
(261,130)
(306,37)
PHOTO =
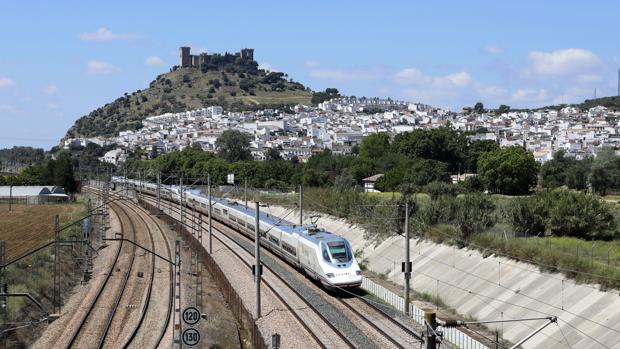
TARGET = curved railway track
(126,221)
(88,317)
(397,325)
(147,302)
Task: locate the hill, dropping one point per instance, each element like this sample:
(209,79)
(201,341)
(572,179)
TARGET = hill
(612,102)
(233,85)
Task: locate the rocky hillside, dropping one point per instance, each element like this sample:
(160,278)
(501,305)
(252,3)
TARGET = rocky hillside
(233,85)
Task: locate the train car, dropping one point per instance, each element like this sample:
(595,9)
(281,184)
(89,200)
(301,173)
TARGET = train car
(322,255)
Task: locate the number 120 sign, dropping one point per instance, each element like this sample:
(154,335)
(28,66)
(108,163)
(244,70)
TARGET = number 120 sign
(191,316)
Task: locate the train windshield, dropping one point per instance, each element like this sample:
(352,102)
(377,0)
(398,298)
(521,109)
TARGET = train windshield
(339,251)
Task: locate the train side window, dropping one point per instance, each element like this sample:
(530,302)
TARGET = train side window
(225,212)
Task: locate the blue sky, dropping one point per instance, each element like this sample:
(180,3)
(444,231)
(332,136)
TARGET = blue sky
(61,59)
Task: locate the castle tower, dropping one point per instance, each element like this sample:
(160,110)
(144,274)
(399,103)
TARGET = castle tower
(185,59)
(247,53)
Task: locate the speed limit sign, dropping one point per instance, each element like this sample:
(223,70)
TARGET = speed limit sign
(191,316)
(191,337)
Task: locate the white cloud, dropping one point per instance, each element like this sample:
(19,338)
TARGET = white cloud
(414,77)
(6,82)
(51,90)
(6,108)
(268,67)
(154,60)
(104,34)
(100,68)
(492,91)
(571,62)
(530,95)
(311,64)
(492,49)
(53,106)
(357,74)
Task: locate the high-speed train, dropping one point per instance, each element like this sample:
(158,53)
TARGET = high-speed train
(322,255)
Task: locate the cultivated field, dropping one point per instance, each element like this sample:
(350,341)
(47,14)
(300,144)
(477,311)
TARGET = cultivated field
(29,226)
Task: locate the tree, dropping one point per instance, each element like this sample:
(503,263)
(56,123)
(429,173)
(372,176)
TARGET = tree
(479,108)
(233,146)
(273,154)
(581,215)
(553,172)
(320,97)
(605,171)
(375,146)
(503,109)
(442,144)
(473,214)
(477,148)
(526,216)
(416,172)
(510,170)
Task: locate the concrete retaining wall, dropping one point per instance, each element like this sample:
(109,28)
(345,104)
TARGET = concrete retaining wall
(495,288)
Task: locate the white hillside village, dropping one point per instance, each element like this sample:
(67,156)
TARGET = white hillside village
(340,124)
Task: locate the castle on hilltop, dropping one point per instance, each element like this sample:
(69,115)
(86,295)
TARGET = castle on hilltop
(186,59)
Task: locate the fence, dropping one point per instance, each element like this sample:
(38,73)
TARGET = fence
(450,334)
(240,312)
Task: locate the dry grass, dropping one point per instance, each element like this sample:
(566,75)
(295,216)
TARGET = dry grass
(29,226)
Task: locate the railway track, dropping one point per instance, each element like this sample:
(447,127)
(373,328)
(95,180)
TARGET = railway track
(104,293)
(396,333)
(146,306)
(227,242)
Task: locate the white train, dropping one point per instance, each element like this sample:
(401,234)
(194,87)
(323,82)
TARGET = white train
(322,255)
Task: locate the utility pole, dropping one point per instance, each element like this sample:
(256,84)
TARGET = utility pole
(210,212)
(407,264)
(86,236)
(301,204)
(431,326)
(3,288)
(139,184)
(56,295)
(245,192)
(158,192)
(176,315)
(181,199)
(125,181)
(199,267)
(257,267)
(11,195)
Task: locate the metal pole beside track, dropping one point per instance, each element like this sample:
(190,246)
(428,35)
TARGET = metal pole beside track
(158,192)
(407,258)
(257,266)
(301,205)
(210,212)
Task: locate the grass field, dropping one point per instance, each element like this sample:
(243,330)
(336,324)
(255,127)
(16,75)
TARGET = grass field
(29,226)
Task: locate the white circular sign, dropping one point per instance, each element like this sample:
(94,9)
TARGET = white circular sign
(191,315)
(191,337)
